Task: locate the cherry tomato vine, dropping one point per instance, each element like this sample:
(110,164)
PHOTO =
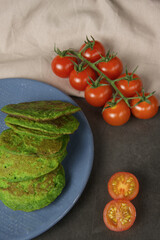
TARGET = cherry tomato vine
(82,67)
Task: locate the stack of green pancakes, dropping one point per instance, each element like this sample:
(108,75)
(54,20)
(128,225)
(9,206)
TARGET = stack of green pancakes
(31,152)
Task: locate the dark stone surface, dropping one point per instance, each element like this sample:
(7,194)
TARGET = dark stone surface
(134,147)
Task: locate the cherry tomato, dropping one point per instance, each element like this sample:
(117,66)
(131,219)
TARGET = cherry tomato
(98,96)
(123,185)
(112,68)
(78,80)
(116,115)
(129,89)
(94,54)
(62,66)
(144,110)
(119,215)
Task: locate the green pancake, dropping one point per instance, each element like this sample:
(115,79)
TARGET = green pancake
(33,194)
(33,132)
(14,168)
(40,110)
(29,145)
(63,125)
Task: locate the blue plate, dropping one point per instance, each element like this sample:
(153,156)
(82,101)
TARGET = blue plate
(17,225)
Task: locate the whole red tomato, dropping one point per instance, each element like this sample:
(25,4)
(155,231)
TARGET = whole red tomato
(117,115)
(129,88)
(93,54)
(97,96)
(111,68)
(63,65)
(78,80)
(144,110)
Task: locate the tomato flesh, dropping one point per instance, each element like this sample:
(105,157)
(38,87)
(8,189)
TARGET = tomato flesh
(119,215)
(123,185)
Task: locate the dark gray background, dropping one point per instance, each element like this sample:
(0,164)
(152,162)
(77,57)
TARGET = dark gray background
(134,147)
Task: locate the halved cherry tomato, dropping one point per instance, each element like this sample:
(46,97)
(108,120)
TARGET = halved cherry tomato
(144,110)
(63,65)
(119,215)
(112,68)
(78,80)
(123,185)
(129,88)
(98,96)
(94,54)
(117,115)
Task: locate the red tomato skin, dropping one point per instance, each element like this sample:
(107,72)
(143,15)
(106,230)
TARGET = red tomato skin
(127,175)
(62,66)
(117,115)
(97,97)
(94,54)
(78,80)
(112,69)
(120,228)
(129,89)
(144,110)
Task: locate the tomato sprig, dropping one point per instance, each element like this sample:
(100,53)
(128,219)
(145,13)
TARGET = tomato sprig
(127,87)
(94,67)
